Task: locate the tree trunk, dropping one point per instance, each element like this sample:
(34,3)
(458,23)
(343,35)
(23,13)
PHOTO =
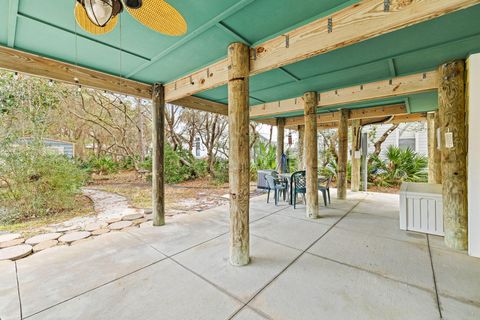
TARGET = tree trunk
(451,103)
(381,140)
(239,160)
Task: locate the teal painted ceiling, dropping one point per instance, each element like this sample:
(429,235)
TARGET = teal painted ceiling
(47,28)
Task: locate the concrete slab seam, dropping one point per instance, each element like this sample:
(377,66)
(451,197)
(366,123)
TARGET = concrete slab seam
(295,259)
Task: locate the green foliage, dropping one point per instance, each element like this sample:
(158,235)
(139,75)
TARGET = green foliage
(331,169)
(103,165)
(399,166)
(35,182)
(179,165)
(221,171)
(264,156)
(175,170)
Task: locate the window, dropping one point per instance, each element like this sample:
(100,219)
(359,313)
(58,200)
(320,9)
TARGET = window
(406,143)
(197,147)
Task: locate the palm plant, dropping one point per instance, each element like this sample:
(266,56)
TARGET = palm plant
(265,156)
(399,166)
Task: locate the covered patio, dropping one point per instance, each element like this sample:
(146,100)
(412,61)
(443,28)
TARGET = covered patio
(352,263)
(308,66)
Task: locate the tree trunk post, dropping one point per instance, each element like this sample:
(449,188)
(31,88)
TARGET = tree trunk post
(301,147)
(451,103)
(342,154)
(239,160)
(434,155)
(311,153)
(355,180)
(158,140)
(280,142)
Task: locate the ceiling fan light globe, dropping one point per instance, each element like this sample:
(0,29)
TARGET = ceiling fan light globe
(99,11)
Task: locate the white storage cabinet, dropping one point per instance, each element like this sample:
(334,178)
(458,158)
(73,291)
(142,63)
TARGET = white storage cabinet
(421,208)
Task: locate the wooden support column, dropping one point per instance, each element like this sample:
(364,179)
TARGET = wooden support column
(311,153)
(342,154)
(355,180)
(451,103)
(301,147)
(239,159)
(434,155)
(280,142)
(158,140)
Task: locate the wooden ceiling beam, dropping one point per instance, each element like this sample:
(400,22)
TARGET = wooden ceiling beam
(397,119)
(355,114)
(359,22)
(411,84)
(15,60)
(203,105)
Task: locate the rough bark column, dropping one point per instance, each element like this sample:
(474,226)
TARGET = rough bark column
(158,139)
(301,147)
(451,103)
(311,153)
(239,159)
(342,154)
(434,155)
(355,183)
(280,142)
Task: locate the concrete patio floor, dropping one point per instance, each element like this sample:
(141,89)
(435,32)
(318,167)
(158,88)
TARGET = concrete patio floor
(353,263)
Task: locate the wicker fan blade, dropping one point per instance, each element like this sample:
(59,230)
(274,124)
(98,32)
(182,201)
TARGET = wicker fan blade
(158,15)
(84,22)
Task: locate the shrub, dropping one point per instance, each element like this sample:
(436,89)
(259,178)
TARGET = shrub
(103,165)
(37,182)
(398,166)
(179,165)
(221,171)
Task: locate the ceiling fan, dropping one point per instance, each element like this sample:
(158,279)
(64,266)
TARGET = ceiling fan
(101,16)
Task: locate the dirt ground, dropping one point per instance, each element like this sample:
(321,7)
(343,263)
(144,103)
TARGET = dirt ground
(189,196)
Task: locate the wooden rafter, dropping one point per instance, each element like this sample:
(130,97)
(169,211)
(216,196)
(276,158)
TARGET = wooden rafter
(28,63)
(356,23)
(412,84)
(203,105)
(355,114)
(396,119)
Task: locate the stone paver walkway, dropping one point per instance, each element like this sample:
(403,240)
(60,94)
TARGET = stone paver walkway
(113,213)
(353,263)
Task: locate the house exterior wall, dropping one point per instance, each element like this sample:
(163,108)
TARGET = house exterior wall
(415,132)
(62,147)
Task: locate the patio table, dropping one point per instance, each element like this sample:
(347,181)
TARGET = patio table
(288,176)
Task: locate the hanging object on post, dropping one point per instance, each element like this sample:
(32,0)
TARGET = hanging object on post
(101,16)
(448,139)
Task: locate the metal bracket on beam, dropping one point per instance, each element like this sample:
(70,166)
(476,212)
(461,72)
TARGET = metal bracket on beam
(386,5)
(191,81)
(330,25)
(254,53)
(287,40)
